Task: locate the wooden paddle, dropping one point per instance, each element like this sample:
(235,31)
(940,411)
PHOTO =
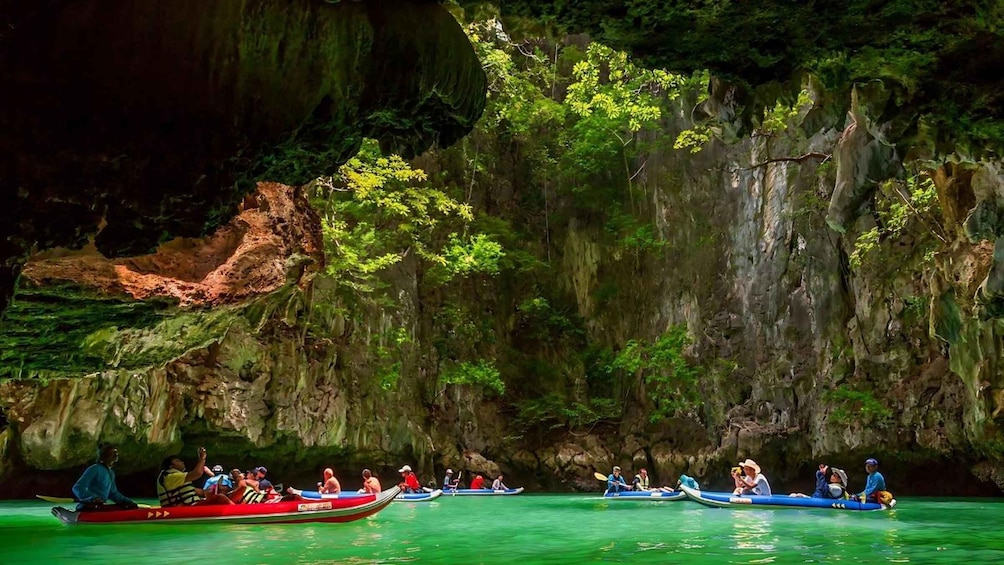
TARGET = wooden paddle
(61,500)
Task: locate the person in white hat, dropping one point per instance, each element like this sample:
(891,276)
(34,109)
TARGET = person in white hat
(410,482)
(751,481)
(449,483)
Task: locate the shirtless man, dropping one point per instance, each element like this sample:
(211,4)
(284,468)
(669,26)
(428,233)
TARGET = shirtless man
(330,485)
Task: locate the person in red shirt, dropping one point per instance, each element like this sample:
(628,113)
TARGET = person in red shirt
(410,483)
(478,482)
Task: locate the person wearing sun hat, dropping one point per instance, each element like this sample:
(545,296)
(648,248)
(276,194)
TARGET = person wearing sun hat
(410,482)
(751,481)
(874,484)
(837,488)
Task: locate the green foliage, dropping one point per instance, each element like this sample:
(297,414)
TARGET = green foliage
(630,234)
(853,405)
(476,254)
(693,139)
(782,116)
(898,206)
(554,410)
(483,374)
(543,321)
(670,378)
(375,211)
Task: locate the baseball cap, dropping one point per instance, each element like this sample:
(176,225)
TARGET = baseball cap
(871,461)
(449,471)
(404,469)
(261,470)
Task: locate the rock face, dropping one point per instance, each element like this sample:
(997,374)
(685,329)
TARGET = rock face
(140,121)
(750,267)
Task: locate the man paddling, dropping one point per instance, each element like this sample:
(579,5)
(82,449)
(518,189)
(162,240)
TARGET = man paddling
(615,482)
(97,484)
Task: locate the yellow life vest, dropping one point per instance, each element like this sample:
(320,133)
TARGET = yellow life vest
(183,495)
(642,482)
(251,497)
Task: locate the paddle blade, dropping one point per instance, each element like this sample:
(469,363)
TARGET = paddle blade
(600,476)
(54,499)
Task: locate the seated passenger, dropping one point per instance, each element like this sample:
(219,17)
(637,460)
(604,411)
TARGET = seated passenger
(640,481)
(219,482)
(370,483)
(410,483)
(174,485)
(330,485)
(478,482)
(837,487)
(751,481)
(497,484)
(243,491)
(264,484)
(448,482)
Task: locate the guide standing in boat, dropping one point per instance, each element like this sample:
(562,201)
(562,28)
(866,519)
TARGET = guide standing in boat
(97,484)
(615,482)
(753,482)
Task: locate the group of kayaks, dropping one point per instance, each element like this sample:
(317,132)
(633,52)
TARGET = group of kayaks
(312,506)
(729,500)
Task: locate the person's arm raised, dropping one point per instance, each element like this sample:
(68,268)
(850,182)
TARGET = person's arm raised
(199,469)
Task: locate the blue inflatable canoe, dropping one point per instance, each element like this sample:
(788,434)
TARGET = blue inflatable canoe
(403,497)
(728,500)
(481,492)
(651,495)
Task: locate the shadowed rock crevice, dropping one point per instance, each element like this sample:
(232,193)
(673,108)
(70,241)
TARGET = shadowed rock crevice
(139,121)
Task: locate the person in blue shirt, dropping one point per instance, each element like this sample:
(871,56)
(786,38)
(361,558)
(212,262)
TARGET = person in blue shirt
(874,484)
(96,486)
(448,482)
(219,483)
(615,482)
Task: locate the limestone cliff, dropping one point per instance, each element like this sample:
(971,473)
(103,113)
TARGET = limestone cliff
(134,122)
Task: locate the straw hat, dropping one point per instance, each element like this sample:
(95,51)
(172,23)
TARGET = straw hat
(750,463)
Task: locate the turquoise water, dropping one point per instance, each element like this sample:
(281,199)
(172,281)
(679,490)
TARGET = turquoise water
(535,529)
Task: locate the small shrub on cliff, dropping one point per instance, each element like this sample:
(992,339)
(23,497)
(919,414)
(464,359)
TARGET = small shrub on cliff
(483,373)
(669,377)
(852,405)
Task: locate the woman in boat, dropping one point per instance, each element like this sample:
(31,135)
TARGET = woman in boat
(837,487)
(751,481)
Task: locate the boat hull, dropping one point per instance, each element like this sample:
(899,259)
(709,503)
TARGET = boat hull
(403,497)
(728,500)
(652,495)
(482,492)
(292,512)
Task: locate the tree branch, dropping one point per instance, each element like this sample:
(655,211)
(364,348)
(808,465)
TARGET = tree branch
(800,159)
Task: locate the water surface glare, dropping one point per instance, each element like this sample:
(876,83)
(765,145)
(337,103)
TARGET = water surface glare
(535,529)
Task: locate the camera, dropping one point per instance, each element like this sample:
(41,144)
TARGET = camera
(737,470)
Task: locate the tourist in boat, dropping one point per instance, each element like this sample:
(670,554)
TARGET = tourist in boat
(370,483)
(497,484)
(174,484)
(410,483)
(688,481)
(264,484)
(751,480)
(478,482)
(448,482)
(330,484)
(640,481)
(97,485)
(243,492)
(219,482)
(837,487)
(875,483)
(615,482)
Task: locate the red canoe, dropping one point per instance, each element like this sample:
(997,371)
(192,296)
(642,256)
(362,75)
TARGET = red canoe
(293,512)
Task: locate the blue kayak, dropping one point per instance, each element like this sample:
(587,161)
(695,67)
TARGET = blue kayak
(645,495)
(403,497)
(729,500)
(481,492)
